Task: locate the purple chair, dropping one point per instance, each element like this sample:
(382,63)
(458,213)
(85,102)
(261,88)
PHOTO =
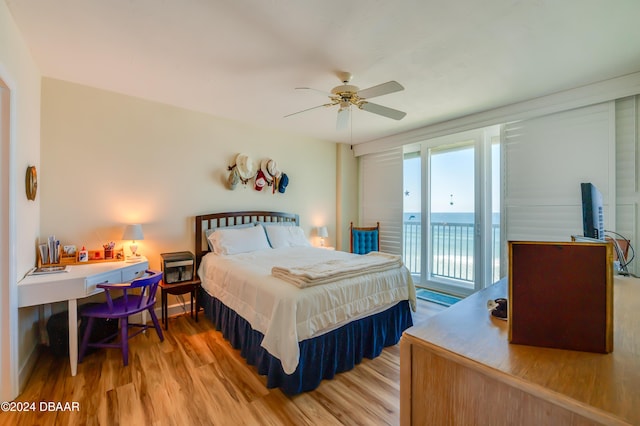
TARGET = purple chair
(121,308)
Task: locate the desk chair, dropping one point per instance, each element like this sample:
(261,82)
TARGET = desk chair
(121,308)
(365,239)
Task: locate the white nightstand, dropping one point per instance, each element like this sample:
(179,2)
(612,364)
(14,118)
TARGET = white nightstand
(327,247)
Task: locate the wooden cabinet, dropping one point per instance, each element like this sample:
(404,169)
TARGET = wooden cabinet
(459,368)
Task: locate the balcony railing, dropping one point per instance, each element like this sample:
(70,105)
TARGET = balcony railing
(451,249)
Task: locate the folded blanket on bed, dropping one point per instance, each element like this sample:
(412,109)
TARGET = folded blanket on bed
(333,270)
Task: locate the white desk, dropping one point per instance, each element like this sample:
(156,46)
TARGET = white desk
(78,282)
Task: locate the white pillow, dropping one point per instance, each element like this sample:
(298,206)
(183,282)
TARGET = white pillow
(228,241)
(287,223)
(210,231)
(286,236)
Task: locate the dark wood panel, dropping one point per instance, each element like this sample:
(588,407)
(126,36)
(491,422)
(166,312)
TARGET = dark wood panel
(561,295)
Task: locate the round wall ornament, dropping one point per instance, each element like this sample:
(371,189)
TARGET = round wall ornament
(31,182)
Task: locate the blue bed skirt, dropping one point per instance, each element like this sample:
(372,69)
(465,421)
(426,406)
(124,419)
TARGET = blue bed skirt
(320,357)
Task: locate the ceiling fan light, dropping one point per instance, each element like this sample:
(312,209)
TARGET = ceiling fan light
(345,88)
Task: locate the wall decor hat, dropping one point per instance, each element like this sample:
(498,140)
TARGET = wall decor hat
(270,170)
(245,166)
(265,172)
(260,181)
(284,182)
(233,179)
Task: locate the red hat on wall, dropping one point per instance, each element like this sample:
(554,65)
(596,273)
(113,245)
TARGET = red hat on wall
(260,181)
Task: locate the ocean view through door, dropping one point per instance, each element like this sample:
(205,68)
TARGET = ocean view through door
(451,232)
(451,237)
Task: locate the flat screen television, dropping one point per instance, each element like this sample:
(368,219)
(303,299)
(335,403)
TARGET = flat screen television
(592,211)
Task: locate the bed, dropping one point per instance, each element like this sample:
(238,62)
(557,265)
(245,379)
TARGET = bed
(299,314)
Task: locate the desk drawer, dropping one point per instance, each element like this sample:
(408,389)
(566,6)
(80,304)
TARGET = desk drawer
(92,282)
(134,271)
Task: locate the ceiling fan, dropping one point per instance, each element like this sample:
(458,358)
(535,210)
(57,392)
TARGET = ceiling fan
(347,95)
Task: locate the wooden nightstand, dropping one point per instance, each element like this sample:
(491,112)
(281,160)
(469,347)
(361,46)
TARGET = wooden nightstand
(184,287)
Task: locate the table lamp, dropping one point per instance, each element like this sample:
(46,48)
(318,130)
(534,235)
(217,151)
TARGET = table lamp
(322,233)
(133,233)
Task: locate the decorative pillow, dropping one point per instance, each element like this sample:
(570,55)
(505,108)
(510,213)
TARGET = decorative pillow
(286,236)
(228,241)
(208,232)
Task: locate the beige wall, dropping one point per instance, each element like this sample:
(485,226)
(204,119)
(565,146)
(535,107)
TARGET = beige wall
(20,217)
(110,159)
(347,194)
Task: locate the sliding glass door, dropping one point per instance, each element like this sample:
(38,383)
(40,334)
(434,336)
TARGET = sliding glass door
(451,229)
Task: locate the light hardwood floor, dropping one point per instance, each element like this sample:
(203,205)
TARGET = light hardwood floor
(194,377)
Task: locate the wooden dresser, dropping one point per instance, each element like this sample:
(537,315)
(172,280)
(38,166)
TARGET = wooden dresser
(460,369)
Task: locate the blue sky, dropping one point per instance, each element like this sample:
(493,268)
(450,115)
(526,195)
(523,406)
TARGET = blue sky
(452,182)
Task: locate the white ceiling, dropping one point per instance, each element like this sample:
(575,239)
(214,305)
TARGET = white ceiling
(242,59)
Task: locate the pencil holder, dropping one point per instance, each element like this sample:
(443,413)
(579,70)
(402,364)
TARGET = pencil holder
(108,253)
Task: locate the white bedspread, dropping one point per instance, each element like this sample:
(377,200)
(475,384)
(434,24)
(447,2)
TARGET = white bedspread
(286,314)
(323,272)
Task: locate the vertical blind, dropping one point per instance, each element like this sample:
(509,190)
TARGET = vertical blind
(627,196)
(381,199)
(546,160)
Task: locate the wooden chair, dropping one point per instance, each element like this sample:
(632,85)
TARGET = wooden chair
(365,239)
(121,308)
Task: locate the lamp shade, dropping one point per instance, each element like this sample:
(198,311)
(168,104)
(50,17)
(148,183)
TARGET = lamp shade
(133,232)
(322,232)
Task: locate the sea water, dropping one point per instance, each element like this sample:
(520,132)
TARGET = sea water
(442,217)
(452,245)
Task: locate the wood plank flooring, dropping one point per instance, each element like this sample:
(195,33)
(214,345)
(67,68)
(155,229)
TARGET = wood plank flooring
(194,377)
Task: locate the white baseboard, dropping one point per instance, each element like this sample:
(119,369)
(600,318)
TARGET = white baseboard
(27,367)
(176,309)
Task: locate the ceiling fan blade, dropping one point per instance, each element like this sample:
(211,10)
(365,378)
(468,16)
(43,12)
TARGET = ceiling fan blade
(380,89)
(322,92)
(308,109)
(383,110)
(343,118)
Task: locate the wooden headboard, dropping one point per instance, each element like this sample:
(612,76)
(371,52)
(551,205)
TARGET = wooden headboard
(220,220)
